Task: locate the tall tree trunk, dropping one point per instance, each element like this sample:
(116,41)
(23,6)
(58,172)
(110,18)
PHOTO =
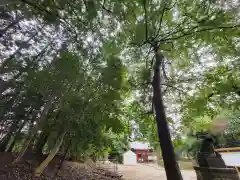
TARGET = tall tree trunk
(31,144)
(159,155)
(64,156)
(10,147)
(170,163)
(6,107)
(41,142)
(3,85)
(5,140)
(7,101)
(40,120)
(43,165)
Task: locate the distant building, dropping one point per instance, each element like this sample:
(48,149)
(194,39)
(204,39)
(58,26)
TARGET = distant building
(144,153)
(129,158)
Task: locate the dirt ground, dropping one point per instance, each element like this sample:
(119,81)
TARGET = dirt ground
(24,170)
(149,172)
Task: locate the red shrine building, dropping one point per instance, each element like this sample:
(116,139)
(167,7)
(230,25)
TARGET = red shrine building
(143,151)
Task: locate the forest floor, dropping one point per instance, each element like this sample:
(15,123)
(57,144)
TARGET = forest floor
(24,170)
(79,171)
(149,172)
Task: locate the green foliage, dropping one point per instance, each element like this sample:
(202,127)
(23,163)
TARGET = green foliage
(91,9)
(187,147)
(219,89)
(85,58)
(200,124)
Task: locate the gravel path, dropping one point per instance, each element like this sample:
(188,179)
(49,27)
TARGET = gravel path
(149,172)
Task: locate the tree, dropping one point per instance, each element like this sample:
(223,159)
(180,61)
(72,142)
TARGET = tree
(56,87)
(167,39)
(185,30)
(217,95)
(218,89)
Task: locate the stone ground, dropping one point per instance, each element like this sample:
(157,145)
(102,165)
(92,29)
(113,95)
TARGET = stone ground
(149,172)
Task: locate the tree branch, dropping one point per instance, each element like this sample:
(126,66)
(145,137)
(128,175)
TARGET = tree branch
(186,14)
(200,30)
(13,23)
(164,70)
(161,19)
(173,87)
(63,21)
(146,18)
(178,31)
(236,89)
(18,51)
(104,8)
(146,57)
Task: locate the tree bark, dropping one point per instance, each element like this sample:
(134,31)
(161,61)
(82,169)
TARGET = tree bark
(170,163)
(3,85)
(43,165)
(31,144)
(41,142)
(5,140)
(7,106)
(159,155)
(10,147)
(34,130)
(64,156)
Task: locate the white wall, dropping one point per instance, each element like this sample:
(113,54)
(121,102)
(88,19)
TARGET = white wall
(231,158)
(129,158)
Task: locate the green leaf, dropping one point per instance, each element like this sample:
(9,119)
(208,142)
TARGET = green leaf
(140,33)
(91,10)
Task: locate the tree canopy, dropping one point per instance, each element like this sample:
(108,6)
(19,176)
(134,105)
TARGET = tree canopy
(70,69)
